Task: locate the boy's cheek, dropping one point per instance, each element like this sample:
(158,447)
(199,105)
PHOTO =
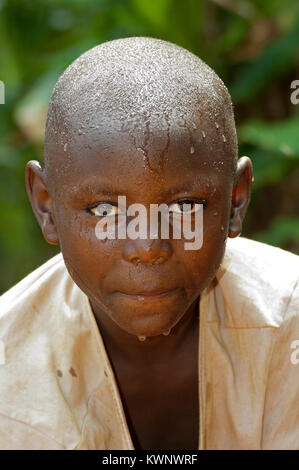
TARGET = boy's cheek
(204,263)
(88,255)
(204,268)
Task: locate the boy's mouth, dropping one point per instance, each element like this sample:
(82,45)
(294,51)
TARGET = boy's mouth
(150,295)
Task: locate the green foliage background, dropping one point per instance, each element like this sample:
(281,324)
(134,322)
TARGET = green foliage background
(252,45)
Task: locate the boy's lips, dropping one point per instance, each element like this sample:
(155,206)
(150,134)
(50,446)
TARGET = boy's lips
(150,295)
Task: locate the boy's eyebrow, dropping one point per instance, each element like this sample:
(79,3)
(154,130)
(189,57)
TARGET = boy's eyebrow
(182,188)
(88,188)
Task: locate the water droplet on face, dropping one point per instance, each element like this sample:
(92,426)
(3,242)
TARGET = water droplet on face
(192,150)
(65,147)
(203,134)
(141,338)
(166,333)
(217,125)
(223,138)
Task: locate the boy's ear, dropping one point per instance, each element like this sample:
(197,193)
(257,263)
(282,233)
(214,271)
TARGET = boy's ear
(240,196)
(41,201)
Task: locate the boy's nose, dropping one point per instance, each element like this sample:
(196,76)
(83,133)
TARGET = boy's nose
(147,251)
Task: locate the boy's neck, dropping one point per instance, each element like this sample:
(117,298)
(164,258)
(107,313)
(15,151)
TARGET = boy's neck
(129,349)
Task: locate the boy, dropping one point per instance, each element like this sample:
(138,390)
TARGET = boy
(139,343)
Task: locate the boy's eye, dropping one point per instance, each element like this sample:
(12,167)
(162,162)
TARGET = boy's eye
(186,206)
(104,209)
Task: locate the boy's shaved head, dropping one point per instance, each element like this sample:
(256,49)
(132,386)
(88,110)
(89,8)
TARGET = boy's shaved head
(143,84)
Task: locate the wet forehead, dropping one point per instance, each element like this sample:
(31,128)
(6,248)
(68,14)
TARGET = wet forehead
(199,129)
(143,157)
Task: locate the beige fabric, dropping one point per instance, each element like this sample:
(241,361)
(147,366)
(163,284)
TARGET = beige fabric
(58,391)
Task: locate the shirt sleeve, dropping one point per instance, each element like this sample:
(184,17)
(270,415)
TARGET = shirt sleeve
(280,426)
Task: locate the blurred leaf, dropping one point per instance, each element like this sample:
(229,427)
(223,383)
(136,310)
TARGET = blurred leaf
(276,59)
(9,156)
(31,111)
(279,137)
(155,11)
(281,231)
(268,167)
(9,66)
(235,32)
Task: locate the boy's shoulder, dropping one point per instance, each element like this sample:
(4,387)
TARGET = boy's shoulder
(261,254)
(259,283)
(45,273)
(251,348)
(45,324)
(29,302)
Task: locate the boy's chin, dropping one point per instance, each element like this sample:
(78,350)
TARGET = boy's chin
(150,326)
